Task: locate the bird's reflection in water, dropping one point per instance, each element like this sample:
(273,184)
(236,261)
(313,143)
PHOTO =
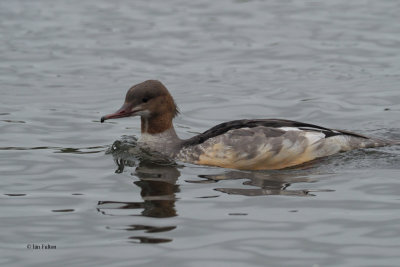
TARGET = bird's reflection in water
(265,183)
(158,188)
(157,181)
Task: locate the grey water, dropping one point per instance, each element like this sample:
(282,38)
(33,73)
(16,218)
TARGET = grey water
(73,194)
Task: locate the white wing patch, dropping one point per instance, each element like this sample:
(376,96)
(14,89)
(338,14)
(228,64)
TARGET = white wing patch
(286,129)
(314,137)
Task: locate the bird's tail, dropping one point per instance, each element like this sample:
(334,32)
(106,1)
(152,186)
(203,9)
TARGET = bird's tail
(393,142)
(373,142)
(356,140)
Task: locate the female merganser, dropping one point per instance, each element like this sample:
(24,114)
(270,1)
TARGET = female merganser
(262,144)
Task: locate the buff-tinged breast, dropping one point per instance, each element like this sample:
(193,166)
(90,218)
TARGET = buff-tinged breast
(218,154)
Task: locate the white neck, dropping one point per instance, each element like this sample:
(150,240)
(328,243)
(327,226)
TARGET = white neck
(167,142)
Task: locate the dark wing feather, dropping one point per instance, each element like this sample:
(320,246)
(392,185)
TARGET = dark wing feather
(272,123)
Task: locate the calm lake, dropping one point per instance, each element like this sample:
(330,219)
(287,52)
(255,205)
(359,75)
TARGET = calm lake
(72,194)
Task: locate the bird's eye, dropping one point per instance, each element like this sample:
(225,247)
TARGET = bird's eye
(145,99)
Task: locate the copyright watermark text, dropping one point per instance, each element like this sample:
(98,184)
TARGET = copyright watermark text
(40,246)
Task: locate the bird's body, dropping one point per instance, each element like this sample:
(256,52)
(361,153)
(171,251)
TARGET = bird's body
(240,144)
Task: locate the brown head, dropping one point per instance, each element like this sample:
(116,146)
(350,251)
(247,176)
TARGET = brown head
(152,102)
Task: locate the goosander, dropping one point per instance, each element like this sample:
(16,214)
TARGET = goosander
(260,144)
